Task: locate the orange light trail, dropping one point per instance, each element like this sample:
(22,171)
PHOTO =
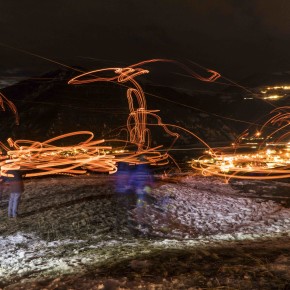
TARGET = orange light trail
(139,134)
(270,162)
(136,124)
(43,158)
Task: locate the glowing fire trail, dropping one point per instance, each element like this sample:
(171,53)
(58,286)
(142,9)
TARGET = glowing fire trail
(42,158)
(272,162)
(137,120)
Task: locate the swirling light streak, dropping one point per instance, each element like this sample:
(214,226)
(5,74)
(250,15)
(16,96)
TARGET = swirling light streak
(270,162)
(136,123)
(282,120)
(245,166)
(42,158)
(139,133)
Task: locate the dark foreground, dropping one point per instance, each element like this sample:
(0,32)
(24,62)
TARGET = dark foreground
(240,265)
(106,251)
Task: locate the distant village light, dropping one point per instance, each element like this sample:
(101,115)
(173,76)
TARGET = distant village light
(275,92)
(273,97)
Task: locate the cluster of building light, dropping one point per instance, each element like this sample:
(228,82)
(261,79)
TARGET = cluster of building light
(273,97)
(254,141)
(276,88)
(270,92)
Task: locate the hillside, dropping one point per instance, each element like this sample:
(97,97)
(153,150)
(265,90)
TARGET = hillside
(48,107)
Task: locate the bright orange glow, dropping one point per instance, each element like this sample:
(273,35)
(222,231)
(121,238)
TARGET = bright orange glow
(139,133)
(272,162)
(43,158)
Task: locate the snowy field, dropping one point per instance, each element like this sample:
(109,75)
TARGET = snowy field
(69,224)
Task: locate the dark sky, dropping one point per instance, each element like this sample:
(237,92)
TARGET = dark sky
(234,37)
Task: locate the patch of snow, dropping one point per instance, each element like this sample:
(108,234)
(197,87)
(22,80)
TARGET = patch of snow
(208,207)
(21,253)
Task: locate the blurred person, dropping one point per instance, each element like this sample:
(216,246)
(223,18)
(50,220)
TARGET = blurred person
(122,177)
(141,180)
(141,183)
(124,195)
(16,187)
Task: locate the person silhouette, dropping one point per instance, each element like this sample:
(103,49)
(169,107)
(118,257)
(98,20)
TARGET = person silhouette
(16,188)
(141,184)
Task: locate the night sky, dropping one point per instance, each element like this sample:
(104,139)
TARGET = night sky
(236,38)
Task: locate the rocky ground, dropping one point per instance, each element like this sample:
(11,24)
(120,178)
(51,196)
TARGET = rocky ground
(189,232)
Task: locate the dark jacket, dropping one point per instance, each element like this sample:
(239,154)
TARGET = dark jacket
(15,183)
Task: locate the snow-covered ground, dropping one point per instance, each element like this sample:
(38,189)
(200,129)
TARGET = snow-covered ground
(202,207)
(185,212)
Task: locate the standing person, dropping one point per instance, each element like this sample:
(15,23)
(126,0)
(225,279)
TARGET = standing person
(16,187)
